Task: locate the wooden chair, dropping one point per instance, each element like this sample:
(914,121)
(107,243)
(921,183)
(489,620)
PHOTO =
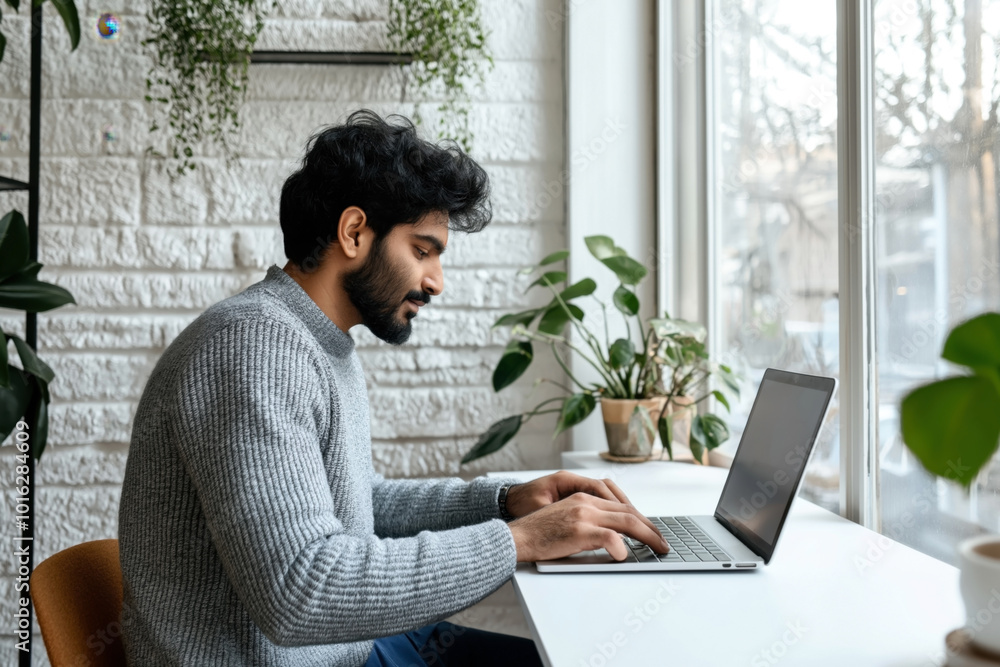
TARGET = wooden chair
(77,598)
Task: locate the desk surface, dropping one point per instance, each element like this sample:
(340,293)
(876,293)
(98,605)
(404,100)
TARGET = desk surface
(834,594)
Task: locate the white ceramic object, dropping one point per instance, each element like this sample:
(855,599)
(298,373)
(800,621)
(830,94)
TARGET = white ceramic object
(979,562)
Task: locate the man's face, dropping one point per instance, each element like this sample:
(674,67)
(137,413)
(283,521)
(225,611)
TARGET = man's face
(400,274)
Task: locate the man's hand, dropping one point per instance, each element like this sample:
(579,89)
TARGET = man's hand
(523,499)
(580,523)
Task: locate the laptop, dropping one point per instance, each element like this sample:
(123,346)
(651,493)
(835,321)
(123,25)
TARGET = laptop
(785,420)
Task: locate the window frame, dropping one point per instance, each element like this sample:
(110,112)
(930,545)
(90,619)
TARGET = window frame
(687,238)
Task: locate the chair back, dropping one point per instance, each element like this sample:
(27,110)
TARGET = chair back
(77,598)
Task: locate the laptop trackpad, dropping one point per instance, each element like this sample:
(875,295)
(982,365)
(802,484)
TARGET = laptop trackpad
(598,557)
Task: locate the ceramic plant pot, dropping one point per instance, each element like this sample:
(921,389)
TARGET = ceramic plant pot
(624,442)
(979,581)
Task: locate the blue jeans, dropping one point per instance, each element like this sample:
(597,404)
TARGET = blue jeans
(447,645)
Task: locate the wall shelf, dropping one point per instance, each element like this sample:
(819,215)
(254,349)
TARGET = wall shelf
(329,58)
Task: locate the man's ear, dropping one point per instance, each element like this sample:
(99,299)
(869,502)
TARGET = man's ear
(352,231)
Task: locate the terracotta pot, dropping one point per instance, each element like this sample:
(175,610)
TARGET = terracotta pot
(617,413)
(979,581)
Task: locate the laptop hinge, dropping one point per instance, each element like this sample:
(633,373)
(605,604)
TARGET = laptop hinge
(735,533)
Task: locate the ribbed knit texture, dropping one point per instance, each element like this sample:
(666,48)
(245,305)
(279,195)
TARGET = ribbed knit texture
(253,529)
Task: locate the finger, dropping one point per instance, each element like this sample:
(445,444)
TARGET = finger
(632,525)
(611,541)
(595,487)
(618,506)
(616,490)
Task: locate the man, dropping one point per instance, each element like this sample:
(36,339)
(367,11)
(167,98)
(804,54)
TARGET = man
(253,529)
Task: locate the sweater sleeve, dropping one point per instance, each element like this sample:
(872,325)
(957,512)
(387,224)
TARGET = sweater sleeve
(251,404)
(406,506)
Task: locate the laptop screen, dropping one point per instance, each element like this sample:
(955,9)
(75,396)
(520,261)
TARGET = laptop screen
(779,436)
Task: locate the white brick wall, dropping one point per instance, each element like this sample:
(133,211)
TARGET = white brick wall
(144,255)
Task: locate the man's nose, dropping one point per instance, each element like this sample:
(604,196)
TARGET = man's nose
(433,283)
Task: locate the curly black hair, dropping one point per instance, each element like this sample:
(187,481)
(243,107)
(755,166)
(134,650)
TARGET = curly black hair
(386,170)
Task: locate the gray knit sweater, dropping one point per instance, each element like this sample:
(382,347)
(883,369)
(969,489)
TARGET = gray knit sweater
(253,529)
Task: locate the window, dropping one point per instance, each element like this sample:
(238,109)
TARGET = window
(772,188)
(770,215)
(937,246)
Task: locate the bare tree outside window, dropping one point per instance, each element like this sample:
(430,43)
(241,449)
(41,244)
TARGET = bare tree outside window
(773,186)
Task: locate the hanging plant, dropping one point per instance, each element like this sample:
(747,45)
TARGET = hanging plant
(201,55)
(448,44)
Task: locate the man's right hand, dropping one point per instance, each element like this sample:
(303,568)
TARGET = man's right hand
(578,523)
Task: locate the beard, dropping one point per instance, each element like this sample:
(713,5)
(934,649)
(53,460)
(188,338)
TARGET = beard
(378,290)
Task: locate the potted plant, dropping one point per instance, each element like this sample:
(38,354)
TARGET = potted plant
(953,427)
(648,379)
(24,391)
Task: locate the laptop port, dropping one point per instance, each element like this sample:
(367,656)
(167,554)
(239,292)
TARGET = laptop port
(746,565)
(726,565)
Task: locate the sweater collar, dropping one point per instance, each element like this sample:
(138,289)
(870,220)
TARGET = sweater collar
(282,285)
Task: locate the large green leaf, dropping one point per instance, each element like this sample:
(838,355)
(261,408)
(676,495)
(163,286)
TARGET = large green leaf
(13,401)
(975,343)
(524,317)
(707,432)
(30,361)
(729,378)
(70,17)
(498,435)
(721,398)
(621,354)
(557,256)
(953,426)
(27,272)
(584,287)
(553,278)
(13,244)
(33,296)
(628,270)
(666,427)
(626,301)
(515,360)
(555,318)
(575,409)
(677,328)
(603,247)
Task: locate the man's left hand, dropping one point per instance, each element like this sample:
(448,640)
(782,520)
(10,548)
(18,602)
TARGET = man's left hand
(523,499)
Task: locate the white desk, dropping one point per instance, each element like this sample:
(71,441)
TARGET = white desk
(834,594)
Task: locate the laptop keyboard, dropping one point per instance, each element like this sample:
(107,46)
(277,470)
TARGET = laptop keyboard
(688,543)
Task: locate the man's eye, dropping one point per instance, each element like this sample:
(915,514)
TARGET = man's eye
(422,253)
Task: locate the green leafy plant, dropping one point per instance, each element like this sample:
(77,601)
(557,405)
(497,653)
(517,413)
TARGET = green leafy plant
(666,358)
(67,11)
(448,44)
(953,425)
(24,391)
(201,57)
